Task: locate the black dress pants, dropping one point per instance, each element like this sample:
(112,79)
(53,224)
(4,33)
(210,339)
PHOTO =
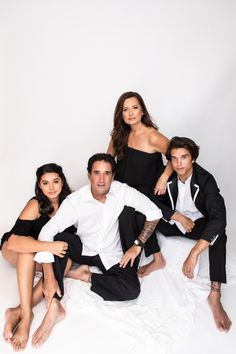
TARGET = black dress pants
(115,284)
(217,252)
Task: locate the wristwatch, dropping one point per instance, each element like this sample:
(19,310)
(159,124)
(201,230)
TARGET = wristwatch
(137,242)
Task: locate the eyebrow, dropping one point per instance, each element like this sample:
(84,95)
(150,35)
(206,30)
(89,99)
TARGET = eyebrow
(102,171)
(180,155)
(54,179)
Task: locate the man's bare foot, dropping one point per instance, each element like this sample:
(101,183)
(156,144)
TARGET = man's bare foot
(55,314)
(81,273)
(21,334)
(12,317)
(221,318)
(157,263)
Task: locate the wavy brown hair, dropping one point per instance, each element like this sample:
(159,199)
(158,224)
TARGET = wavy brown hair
(121,130)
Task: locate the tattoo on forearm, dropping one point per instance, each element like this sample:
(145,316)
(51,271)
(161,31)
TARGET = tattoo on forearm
(215,286)
(147,230)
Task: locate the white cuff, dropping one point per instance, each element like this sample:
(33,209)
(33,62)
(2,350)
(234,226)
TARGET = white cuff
(154,214)
(44,257)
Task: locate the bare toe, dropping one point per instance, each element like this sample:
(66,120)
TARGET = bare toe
(12,317)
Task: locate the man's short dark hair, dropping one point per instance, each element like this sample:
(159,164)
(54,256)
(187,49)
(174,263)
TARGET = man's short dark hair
(183,142)
(101,157)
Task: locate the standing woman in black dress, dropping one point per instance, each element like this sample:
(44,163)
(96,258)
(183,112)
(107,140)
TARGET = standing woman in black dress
(138,146)
(20,244)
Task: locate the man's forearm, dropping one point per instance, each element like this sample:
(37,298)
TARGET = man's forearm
(199,247)
(48,270)
(148,229)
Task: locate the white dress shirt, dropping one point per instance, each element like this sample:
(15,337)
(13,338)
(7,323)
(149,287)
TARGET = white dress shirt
(97,222)
(185,204)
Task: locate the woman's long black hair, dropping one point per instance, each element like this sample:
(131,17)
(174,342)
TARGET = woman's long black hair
(45,207)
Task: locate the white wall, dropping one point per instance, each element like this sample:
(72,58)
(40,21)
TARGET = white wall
(64,63)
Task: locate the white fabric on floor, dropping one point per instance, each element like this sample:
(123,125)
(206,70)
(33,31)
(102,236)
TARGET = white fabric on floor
(159,321)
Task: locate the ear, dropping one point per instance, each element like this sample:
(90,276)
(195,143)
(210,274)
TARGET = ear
(89,176)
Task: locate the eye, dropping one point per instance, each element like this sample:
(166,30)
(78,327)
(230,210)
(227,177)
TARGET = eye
(125,109)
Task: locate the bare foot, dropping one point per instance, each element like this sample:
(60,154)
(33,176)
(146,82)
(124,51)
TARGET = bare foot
(81,273)
(221,318)
(12,317)
(55,314)
(21,334)
(157,263)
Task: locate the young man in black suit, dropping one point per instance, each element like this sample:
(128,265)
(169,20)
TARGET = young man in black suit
(193,207)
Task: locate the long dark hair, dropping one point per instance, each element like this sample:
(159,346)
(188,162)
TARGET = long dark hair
(45,207)
(121,130)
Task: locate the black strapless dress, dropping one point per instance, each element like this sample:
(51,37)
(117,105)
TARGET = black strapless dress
(141,171)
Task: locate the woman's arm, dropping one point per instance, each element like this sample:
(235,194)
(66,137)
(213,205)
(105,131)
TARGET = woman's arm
(110,149)
(27,244)
(161,144)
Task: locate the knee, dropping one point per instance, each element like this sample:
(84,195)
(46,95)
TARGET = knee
(58,237)
(132,290)
(63,236)
(135,291)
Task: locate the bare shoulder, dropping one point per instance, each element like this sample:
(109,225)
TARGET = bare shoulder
(159,141)
(30,211)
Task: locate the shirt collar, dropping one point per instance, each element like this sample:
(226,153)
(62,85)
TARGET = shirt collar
(187,182)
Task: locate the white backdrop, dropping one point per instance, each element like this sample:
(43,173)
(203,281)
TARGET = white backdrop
(64,63)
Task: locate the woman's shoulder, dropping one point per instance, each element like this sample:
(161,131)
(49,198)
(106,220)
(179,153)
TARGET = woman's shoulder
(31,210)
(159,141)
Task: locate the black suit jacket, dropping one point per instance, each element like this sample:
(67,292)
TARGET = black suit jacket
(206,196)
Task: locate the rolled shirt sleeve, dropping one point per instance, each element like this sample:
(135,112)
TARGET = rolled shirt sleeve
(141,203)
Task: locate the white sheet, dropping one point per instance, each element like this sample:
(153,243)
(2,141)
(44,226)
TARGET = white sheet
(159,321)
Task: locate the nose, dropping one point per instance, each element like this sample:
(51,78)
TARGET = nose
(179,163)
(130,112)
(101,178)
(51,186)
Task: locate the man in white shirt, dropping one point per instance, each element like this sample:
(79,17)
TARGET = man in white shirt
(193,207)
(94,209)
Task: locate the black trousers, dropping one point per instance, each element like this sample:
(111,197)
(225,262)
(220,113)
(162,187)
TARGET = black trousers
(217,252)
(115,284)
(131,223)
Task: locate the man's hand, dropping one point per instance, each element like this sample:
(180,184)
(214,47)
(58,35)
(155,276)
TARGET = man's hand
(58,248)
(50,284)
(191,261)
(189,265)
(187,223)
(130,255)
